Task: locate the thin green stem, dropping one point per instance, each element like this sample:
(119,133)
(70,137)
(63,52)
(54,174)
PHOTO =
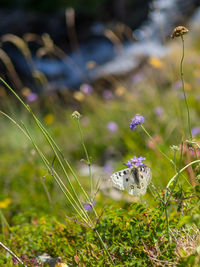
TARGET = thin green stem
(174,177)
(12,254)
(87,157)
(167,215)
(178,173)
(46,135)
(175,161)
(183,87)
(45,161)
(104,246)
(53,143)
(155,144)
(4,222)
(60,183)
(22,102)
(155,191)
(13,121)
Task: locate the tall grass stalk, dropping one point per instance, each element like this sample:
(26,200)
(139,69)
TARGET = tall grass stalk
(87,157)
(168,193)
(12,253)
(50,169)
(180,171)
(167,215)
(73,199)
(183,87)
(4,222)
(54,148)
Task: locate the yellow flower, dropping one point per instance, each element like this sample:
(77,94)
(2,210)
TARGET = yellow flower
(120,91)
(187,86)
(49,118)
(4,204)
(155,62)
(79,96)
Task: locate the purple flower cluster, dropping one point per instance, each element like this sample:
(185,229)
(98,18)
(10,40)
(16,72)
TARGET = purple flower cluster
(108,168)
(112,126)
(137,161)
(88,206)
(107,94)
(195,131)
(86,88)
(136,120)
(158,111)
(32,97)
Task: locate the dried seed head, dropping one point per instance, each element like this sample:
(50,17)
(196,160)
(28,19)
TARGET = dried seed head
(179,31)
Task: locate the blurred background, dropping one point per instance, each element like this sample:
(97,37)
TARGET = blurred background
(53,47)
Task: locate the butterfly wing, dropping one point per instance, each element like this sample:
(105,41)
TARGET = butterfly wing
(140,177)
(146,173)
(118,178)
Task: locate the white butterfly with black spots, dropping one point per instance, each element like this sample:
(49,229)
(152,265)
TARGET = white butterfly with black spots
(134,180)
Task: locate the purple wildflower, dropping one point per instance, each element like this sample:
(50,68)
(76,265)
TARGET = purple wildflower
(178,84)
(32,97)
(137,161)
(14,260)
(88,206)
(137,78)
(108,167)
(107,94)
(158,111)
(112,126)
(195,131)
(137,120)
(86,89)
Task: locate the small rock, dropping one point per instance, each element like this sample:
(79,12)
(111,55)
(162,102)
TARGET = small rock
(52,262)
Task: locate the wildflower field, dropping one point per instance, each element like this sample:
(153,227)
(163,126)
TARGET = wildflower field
(64,154)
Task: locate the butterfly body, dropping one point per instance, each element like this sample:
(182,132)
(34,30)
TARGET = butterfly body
(134,180)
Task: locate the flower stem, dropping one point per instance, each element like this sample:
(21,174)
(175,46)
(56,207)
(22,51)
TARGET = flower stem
(87,157)
(174,177)
(104,246)
(183,87)
(155,143)
(12,253)
(167,215)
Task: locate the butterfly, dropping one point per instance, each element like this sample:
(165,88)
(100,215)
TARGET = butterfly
(134,180)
